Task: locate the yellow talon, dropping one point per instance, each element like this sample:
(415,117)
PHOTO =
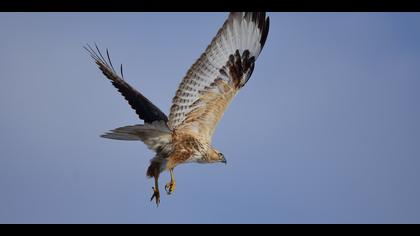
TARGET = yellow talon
(170,187)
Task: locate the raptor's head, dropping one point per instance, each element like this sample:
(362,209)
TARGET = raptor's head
(216,156)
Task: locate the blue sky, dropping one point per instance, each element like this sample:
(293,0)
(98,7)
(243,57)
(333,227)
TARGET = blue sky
(326,130)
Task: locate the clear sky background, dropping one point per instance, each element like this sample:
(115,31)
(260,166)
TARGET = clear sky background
(326,131)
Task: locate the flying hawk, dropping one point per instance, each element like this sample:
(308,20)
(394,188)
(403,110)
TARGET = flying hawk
(200,101)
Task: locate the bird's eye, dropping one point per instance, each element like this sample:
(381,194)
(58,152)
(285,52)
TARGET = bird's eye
(220,154)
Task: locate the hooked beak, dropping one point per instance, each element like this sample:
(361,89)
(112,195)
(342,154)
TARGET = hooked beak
(224,161)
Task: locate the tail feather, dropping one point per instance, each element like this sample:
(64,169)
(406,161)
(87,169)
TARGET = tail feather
(154,137)
(121,136)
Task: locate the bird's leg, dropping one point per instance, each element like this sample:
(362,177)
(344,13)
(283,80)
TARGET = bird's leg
(170,187)
(156,193)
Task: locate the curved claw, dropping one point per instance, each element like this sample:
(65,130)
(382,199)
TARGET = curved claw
(170,187)
(166,189)
(155,195)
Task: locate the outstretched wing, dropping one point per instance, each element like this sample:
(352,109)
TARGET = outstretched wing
(219,73)
(144,108)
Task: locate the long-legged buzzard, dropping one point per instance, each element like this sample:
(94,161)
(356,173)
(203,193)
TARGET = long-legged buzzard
(200,101)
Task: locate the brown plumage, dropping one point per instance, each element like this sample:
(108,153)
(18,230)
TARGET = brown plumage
(200,101)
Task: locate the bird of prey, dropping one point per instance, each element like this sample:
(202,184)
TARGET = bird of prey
(200,101)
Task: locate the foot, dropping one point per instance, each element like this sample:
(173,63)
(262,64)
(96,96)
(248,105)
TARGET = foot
(156,195)
(170,187)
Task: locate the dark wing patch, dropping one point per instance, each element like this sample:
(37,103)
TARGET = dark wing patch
(144,108)
(240,68)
